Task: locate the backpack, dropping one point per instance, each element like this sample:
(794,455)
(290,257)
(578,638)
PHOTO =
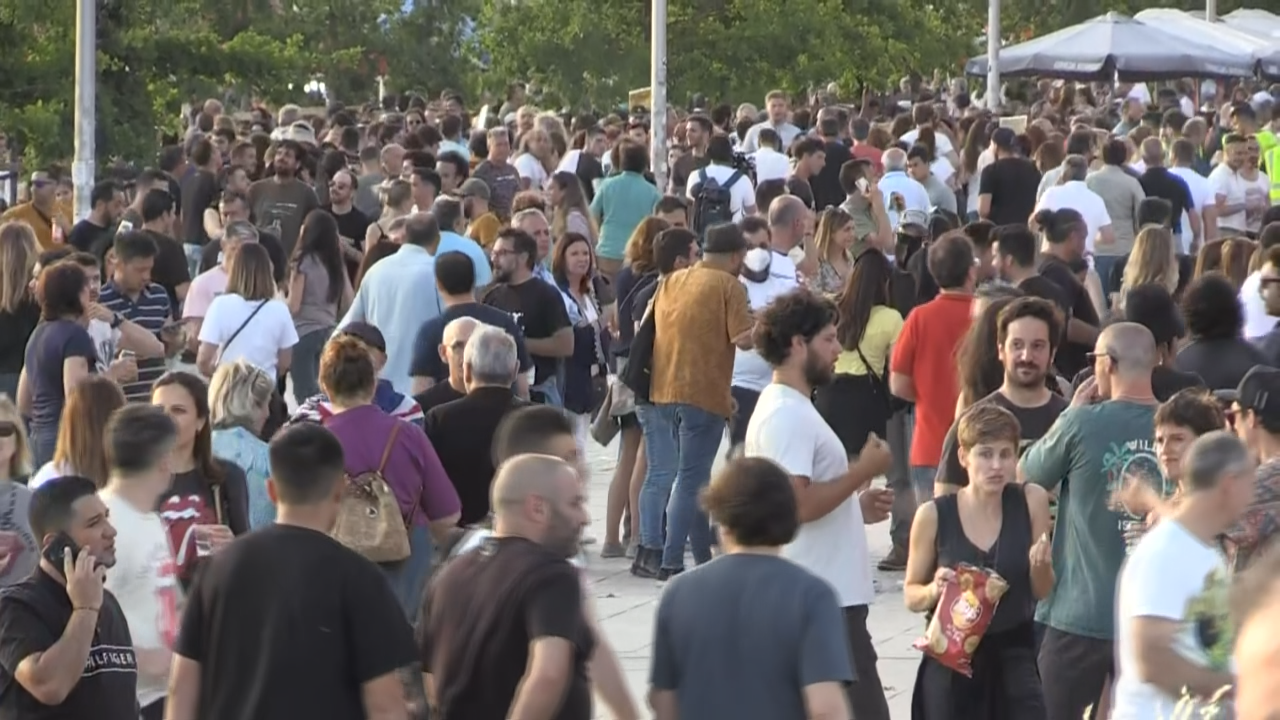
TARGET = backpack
(369,519)
(712,202)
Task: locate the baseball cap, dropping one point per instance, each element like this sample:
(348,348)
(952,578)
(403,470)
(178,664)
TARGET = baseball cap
(915,217)
(1152,306)
(474,187)
(1259,391)
(367,334)
(1004,138)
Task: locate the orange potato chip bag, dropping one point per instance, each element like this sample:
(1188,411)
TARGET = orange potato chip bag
(964,611)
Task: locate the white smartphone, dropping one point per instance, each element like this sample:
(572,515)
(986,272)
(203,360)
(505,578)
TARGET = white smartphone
(863,185)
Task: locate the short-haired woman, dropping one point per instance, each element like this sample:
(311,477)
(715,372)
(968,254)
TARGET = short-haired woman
(373,441)
(239,402)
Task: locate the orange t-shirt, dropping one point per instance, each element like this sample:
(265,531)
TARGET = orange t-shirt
(925,352)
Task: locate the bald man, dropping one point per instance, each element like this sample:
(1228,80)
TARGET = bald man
(1257,652)
(1158,181)
(1104,440)
(506,633)
(790,223)
(426,390)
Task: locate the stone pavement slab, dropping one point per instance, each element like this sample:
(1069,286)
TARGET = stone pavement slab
(626,604)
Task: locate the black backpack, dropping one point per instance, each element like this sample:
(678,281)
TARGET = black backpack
(712,202)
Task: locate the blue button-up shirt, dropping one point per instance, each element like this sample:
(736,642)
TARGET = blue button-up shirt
(453,242)
(397,296)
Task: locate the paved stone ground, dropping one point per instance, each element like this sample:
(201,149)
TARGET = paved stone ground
(626,605)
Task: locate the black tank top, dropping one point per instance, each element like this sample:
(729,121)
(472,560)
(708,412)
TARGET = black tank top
(1007,556)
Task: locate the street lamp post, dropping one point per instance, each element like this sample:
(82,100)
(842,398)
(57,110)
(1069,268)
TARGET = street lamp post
(82,169)
(658,94)
(993,55)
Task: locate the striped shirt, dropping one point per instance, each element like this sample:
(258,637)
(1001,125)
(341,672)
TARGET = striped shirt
(152,311)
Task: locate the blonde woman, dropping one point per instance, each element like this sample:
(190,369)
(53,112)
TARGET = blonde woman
(533,159)
(19,311)
(1154,260)
(19,551)
(239,402)
(826,261)
(247,321)
(570,212)
(397,202)
(81,445)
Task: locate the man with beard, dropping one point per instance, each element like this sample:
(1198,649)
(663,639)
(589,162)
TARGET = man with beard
(538,309)
(1028,331)
(282,201)
(483,665)
(796,335)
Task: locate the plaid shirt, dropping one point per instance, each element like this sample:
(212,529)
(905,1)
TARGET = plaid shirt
(1261,520)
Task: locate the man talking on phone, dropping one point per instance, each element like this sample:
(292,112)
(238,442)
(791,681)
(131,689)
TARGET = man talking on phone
(65,648)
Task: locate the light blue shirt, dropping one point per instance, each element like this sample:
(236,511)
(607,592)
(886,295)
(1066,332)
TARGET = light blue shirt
(248,451)
(453,242)
(397,296)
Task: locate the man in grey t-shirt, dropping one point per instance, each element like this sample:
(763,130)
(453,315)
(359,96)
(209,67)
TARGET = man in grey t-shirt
(789,648)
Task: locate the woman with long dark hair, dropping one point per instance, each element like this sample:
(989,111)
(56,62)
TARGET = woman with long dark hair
(574,268)
(857,402)
(319,293)
(208,501)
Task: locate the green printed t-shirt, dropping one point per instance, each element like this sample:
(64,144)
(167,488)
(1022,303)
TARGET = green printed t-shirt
(1092,451)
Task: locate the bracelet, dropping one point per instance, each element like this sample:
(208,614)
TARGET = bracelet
(90,609)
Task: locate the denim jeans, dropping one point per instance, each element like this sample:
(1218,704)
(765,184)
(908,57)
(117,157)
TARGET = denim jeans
(680,443)
(547,393)
(408,576)
(9,385)
(898,435)
(194,253)
(44,441)
(305,367)
(1104,264)
(922,483)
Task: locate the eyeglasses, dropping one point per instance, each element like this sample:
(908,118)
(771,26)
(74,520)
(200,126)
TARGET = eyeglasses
(8,429)
(1093,356)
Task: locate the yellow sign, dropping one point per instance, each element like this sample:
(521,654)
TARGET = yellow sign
(640,97)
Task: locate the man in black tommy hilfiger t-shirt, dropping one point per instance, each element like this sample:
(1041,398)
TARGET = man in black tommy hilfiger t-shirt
(65,648)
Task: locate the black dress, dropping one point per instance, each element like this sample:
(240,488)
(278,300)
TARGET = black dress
(1006,682)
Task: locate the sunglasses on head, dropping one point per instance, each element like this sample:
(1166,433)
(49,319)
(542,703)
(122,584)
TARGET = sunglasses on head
(8,429)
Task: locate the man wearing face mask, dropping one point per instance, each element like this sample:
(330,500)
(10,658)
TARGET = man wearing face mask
(751,373)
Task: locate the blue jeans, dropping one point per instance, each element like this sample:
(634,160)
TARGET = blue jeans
(547,393)
(922,483)
(680,443)
(305,367)
(408,576)
(1104,265)
(194,253)
(9,385)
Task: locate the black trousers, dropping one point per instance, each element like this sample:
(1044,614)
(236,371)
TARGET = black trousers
(1073,671)
(154,711)
(866,693)
(746,400)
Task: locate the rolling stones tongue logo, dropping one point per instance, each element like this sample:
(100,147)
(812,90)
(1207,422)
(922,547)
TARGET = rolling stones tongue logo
(181,513)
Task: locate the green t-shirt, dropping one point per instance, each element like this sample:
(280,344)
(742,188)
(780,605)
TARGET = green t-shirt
(1088,454)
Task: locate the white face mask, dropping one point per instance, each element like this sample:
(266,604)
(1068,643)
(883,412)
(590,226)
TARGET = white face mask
(757,259)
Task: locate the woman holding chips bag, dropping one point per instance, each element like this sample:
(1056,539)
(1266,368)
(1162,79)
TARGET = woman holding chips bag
(978,562)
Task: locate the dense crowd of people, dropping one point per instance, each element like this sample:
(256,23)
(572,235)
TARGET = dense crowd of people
(360,357)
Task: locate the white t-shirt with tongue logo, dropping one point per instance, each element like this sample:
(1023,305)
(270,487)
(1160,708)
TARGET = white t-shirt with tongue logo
(144,583)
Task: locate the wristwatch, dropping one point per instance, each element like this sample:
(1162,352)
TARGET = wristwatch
(116,320)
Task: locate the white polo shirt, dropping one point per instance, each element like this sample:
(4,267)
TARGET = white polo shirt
(1228,183)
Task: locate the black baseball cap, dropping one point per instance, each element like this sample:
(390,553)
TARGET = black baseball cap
(367,334)
(1259,391)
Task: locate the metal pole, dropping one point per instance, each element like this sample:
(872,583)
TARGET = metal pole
(82,169)
(993,55)
(658,90)
(1211,10)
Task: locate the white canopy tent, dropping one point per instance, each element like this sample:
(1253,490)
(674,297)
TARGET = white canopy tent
(1261,50)
(1258,23)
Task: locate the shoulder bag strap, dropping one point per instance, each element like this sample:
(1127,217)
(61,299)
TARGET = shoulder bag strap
(236,334)
(386,451)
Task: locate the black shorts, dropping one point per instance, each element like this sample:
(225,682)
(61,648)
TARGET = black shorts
(1073,671)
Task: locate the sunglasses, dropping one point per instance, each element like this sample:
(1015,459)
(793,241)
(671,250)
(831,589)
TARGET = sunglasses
(8,429)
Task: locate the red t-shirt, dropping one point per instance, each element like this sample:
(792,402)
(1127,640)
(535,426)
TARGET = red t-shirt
(925,352)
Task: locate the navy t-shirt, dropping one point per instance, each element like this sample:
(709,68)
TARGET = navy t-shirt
(49,347)
(426,347)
